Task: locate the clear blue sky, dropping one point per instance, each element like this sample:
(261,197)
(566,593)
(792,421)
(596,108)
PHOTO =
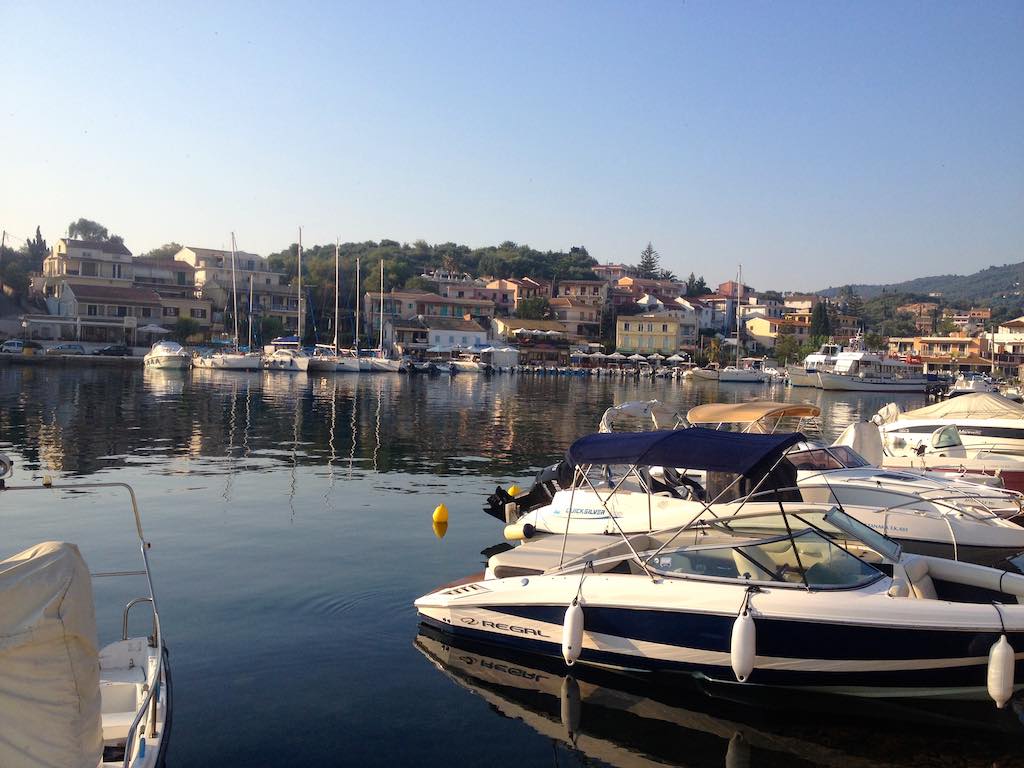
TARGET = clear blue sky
(817,142)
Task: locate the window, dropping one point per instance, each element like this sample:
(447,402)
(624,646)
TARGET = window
(122,311)
(198,314)
(465,341)
(91,310)
(625,326)
(251,265)
(115,271)
(180,278)
(147,312)
(170,311)
(664,327)
(451,339)
(88,269)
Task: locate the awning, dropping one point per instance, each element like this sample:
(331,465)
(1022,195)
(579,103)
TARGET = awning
(747,413)
(153,329)
(694,448)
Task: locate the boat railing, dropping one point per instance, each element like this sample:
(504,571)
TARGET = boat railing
(149,704)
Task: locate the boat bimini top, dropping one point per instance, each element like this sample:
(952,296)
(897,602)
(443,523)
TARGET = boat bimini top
(758,416)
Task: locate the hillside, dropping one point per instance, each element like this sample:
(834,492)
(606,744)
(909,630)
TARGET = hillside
(994,285)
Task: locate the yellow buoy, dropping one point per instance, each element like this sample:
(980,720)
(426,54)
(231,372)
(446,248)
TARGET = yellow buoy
(440,514)
(440,529)
(513,491)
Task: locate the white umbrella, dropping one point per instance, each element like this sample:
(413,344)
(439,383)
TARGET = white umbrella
(153,329)
(488,349)
(598,355)
(579,354)
(656,356)
(616,356)
(676,359)
(635,356)
(552,333)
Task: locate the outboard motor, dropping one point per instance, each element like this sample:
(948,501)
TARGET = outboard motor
(547,482)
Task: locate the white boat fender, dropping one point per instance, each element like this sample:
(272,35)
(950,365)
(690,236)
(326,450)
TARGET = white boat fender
(517,532)
(743,645)
(1001,662)
(572,632)
(569,699)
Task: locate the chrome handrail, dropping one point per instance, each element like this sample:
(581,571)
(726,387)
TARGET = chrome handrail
(149,701)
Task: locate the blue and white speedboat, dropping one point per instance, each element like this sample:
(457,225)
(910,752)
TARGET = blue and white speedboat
(799,595)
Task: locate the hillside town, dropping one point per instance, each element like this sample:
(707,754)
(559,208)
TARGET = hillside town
(97,292)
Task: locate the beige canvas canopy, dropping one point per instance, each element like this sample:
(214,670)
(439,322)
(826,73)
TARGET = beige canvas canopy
(49,662)
(980,405)
(757,414)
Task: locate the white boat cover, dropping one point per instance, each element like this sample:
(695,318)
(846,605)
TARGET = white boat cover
(49,661)
(980,405)
(863,437)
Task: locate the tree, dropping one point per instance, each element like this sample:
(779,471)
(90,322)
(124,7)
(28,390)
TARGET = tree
(786,345)
(820,324)
(715,350)
(650,263)
(874,342)
(417,283)
(165,252)
(87,229)
(666,274)
(36,250)
(946,326)
(184,328)
(271,327)
(533,309)
(696,286)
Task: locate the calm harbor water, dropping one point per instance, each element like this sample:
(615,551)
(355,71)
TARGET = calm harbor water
(290,521)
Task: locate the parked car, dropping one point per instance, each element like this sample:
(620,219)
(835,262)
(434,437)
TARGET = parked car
(66,349)
(114,350)
(20,346)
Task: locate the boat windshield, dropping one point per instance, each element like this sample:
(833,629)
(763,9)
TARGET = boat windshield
(807,558)
(832,457)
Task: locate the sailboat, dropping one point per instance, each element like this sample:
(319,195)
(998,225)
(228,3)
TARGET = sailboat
(288,355)
(233,359)
(327,358)
(380,363)
(735,373)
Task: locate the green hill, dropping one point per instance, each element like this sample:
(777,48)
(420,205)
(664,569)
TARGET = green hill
(996,286)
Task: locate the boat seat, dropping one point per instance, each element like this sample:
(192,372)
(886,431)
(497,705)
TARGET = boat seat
(918,579)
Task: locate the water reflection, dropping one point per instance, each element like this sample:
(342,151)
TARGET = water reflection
(626,721)
(80,421)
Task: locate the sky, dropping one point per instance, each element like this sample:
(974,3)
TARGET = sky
(816,143)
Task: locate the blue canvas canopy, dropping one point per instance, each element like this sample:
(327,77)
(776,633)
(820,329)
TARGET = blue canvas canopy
(694,448)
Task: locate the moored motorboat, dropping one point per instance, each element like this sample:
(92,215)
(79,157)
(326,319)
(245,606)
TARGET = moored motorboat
(167,355)
(985,421)
(802,596)
(66,700)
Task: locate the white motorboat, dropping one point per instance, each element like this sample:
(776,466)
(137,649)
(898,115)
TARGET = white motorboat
(942,453)
(985,421)
(705,374)
(806,375)
(167,355)
(858,370)
(64,699)
(284,354)
(969,384)
(468,362)
(802,596)
(733,375)
(384,365)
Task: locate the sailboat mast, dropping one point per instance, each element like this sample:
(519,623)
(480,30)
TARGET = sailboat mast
(234,289)
(250,313)
(300,287)
(355,339)
(337,286)
(739,301)
(380,348)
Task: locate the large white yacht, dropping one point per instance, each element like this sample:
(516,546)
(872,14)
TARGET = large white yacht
(806,375)
(859,370)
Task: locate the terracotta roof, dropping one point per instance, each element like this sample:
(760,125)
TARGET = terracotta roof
(89,292)
(104,246)
(451,324)
(533,325)
(566,301)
